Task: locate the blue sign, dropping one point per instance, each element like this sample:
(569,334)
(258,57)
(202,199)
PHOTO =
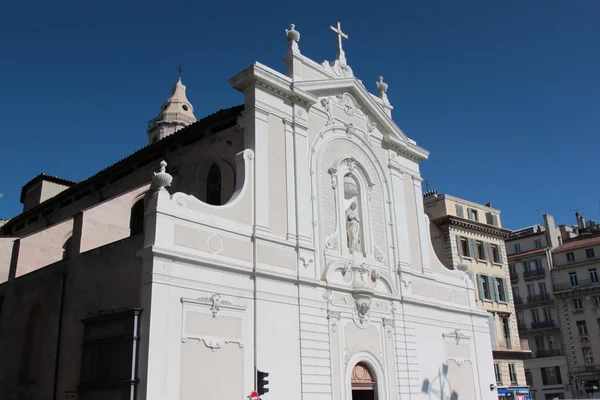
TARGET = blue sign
(514,393)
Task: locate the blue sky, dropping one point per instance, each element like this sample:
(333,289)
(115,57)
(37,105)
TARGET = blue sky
(505,95)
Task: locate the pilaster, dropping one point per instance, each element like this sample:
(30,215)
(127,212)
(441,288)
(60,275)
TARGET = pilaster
(303,179)
(400,223)
(423,228)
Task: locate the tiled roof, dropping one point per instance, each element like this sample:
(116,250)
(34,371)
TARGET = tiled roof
(45,177)
(578,243)
(213,123)
(526,253)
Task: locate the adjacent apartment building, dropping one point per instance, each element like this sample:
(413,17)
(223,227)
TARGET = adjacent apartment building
(577,291)
(470,236)
(529,253)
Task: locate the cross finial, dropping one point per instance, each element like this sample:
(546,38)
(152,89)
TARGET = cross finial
(340,35)
(180,70)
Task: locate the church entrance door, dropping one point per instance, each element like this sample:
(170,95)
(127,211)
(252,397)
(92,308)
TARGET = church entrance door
(363,383)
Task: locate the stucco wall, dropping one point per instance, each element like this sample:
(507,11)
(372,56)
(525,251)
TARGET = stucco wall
(6,246)
(106,277)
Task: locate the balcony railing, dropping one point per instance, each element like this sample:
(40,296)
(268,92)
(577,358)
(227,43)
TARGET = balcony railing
(539,298)
(514,278)
(548,353)
(587,368)
(543,324)
(534,274)
(508,345)
(581,284)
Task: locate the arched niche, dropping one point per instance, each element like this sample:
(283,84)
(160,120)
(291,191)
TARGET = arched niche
(215,181)
(136,218)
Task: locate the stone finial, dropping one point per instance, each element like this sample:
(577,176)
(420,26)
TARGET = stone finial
(382,88)
(162,179)
(293,36)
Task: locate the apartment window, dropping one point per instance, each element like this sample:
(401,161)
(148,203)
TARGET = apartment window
(512,269)
(501,289)
(485,285)
(552,342)
(593,275)
(538,243)
(582,328)
(551,376)
(496,254)
(589,253)
(535,316)
(463,247)
(517,247)
(538,264)
(530,289)
(529,377)
(547,314)
(516,291)
(520,317)
(460,212)
(506,328)
(540,343)
(497,373)
(571,256)
(588,356)
(577,304)
(597,301)
(512,371)
(526,266)
(473,214)
(573,278)
(480,250)
(492,219)
(542,287)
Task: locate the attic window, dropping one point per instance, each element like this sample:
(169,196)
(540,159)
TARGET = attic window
(185,108)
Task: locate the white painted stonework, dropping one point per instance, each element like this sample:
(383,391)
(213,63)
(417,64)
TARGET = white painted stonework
(321,259)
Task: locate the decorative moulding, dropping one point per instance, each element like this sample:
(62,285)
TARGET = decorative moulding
(261,75)
(214,303)
(457,335)
(162,179)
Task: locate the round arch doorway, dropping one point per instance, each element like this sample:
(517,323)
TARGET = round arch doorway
(364,386)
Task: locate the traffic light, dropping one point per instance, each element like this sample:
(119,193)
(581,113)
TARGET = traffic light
(261,382)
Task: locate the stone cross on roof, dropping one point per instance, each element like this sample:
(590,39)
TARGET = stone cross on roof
(340,35)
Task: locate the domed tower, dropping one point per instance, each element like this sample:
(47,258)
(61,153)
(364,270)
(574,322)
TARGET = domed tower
(175,113)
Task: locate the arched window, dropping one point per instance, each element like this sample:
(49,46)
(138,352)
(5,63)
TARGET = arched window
(136,219)
(67,248)
(213,186)
(363,383)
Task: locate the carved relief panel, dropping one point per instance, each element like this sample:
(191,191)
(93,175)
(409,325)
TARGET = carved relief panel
(350,200)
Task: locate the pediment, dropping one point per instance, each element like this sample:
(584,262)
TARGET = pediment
(352,97)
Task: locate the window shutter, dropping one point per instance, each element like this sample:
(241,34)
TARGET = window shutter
(470,275)
(489,218)
(500,247)
(505,284)
(460,211)
(487,250)
(493,288)
(470,213)
(492,323)
(480,286)
(458,246)
(472,248)
(495,220)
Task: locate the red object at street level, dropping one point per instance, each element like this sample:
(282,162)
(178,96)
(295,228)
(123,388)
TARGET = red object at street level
(254,396)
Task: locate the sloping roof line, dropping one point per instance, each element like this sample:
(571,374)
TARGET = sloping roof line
(189,134)
(526,253)
(578,243)
(45,177)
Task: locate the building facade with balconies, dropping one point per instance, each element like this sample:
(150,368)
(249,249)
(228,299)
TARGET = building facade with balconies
(577,290)
(470,236)
(530,264)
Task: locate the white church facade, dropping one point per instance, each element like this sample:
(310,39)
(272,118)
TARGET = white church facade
(292,240)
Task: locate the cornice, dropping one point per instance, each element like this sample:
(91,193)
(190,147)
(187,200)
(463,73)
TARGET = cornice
(395,138)
(472,225)
(258,74)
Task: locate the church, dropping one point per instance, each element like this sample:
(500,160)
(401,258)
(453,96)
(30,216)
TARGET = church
(279,246)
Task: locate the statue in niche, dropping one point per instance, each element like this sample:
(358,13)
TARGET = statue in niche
(353,227)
